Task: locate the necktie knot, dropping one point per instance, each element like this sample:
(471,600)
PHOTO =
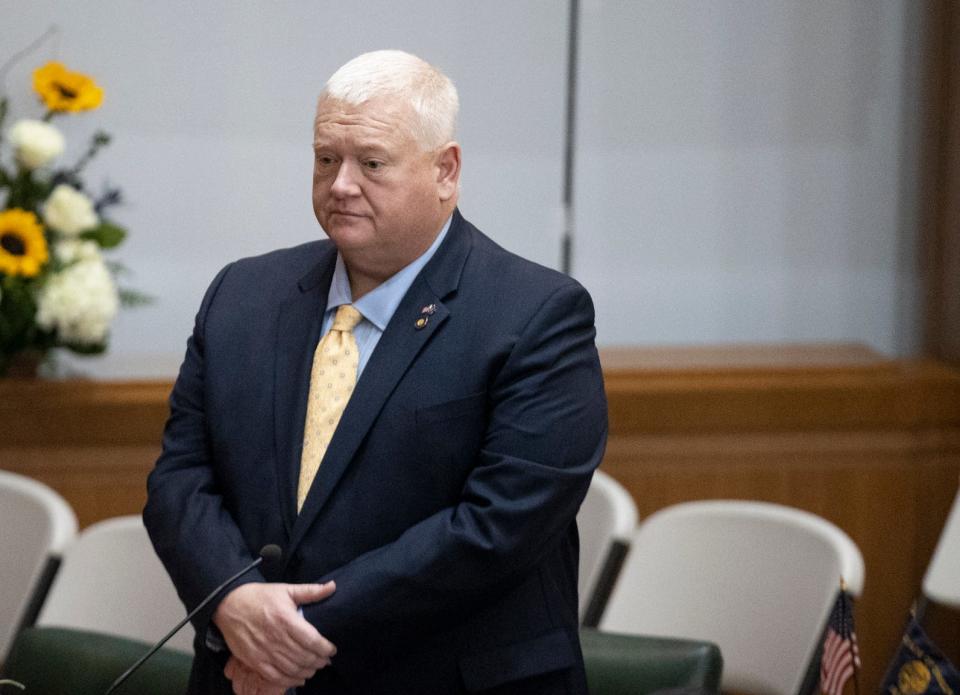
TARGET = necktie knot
(346,319)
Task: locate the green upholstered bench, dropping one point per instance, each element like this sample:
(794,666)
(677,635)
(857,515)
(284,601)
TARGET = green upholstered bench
(620,664)
(59,661)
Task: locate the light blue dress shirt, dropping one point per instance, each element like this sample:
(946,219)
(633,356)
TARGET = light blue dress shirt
(379,304)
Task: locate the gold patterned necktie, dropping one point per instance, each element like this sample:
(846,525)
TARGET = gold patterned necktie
(332,379)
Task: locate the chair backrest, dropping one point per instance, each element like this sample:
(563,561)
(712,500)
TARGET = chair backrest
(607,520)
(757,579)
(62,661)
(35,525)
(941,583)
(618,664)
(112,582)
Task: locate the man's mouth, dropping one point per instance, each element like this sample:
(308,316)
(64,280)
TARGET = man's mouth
(346,213)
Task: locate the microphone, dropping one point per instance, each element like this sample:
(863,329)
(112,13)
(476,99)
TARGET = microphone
(269,552)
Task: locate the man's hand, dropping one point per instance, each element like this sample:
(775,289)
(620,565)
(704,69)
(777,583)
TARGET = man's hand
(264,630)
(246,681)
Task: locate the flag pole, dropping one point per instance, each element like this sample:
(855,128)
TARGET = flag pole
(843,607)
(566,248)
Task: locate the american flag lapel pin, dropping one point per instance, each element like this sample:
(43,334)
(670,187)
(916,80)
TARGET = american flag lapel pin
(425,314)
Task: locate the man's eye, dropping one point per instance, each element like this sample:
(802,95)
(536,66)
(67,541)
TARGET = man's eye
(325,160)
(373,164)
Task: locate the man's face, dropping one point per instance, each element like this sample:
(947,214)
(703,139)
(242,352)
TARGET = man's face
(376,193)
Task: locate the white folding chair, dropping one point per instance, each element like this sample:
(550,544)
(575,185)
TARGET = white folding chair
(941,583)
(111,581)
(607,520)
(35,525)
(757,579)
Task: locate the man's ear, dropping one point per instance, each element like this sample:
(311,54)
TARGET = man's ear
(448,170)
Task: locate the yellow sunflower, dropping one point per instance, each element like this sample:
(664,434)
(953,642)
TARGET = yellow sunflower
(23,248)
(63,90)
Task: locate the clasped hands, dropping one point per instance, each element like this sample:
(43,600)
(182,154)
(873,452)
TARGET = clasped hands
(272,646)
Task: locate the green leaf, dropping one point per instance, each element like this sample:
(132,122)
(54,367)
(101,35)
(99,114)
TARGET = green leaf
(134,298)
(117,268)
(85,349)
(17,312)
(3,115)
(27,190)
(106,235)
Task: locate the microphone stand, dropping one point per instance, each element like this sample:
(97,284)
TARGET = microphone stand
(268,551)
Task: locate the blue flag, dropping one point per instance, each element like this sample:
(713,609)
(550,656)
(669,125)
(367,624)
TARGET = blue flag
(919,668)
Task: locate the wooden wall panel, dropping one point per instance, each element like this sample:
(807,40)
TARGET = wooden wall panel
(99,481)
(871,444)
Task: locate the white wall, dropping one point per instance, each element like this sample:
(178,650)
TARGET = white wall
(210,105)
(741,167)
(740,170)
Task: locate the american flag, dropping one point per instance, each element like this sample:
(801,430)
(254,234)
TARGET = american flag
(841,657)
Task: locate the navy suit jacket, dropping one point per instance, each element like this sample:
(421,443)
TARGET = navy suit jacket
(445,505)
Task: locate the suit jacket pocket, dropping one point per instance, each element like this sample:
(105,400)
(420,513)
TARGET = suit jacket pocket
(551,651)
(449,410)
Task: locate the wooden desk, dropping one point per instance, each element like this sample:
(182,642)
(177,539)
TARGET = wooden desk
(869,443)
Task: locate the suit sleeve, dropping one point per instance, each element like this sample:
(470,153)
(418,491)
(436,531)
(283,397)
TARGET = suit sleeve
(546,435)
(194,535)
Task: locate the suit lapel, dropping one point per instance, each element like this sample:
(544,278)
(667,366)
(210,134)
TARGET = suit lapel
(298,331)
(398,347)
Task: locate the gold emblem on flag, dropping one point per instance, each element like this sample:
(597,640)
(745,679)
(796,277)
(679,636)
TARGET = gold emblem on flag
(914,677)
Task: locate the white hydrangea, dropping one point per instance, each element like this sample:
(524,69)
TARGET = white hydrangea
(79,303)
(69,211)
(36,143)
(73,250)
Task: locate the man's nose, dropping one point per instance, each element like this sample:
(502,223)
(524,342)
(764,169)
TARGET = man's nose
(346,182)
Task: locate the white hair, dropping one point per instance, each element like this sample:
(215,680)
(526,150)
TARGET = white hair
(428,91)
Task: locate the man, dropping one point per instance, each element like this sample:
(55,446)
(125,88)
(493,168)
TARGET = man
(410,412)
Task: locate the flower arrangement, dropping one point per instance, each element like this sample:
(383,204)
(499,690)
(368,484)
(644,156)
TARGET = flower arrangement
(56,287)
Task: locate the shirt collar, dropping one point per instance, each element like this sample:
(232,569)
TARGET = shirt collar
(379,304)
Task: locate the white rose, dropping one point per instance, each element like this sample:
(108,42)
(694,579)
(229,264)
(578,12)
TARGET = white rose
(79,303)
(36,143)
(69,211)
(72,250)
